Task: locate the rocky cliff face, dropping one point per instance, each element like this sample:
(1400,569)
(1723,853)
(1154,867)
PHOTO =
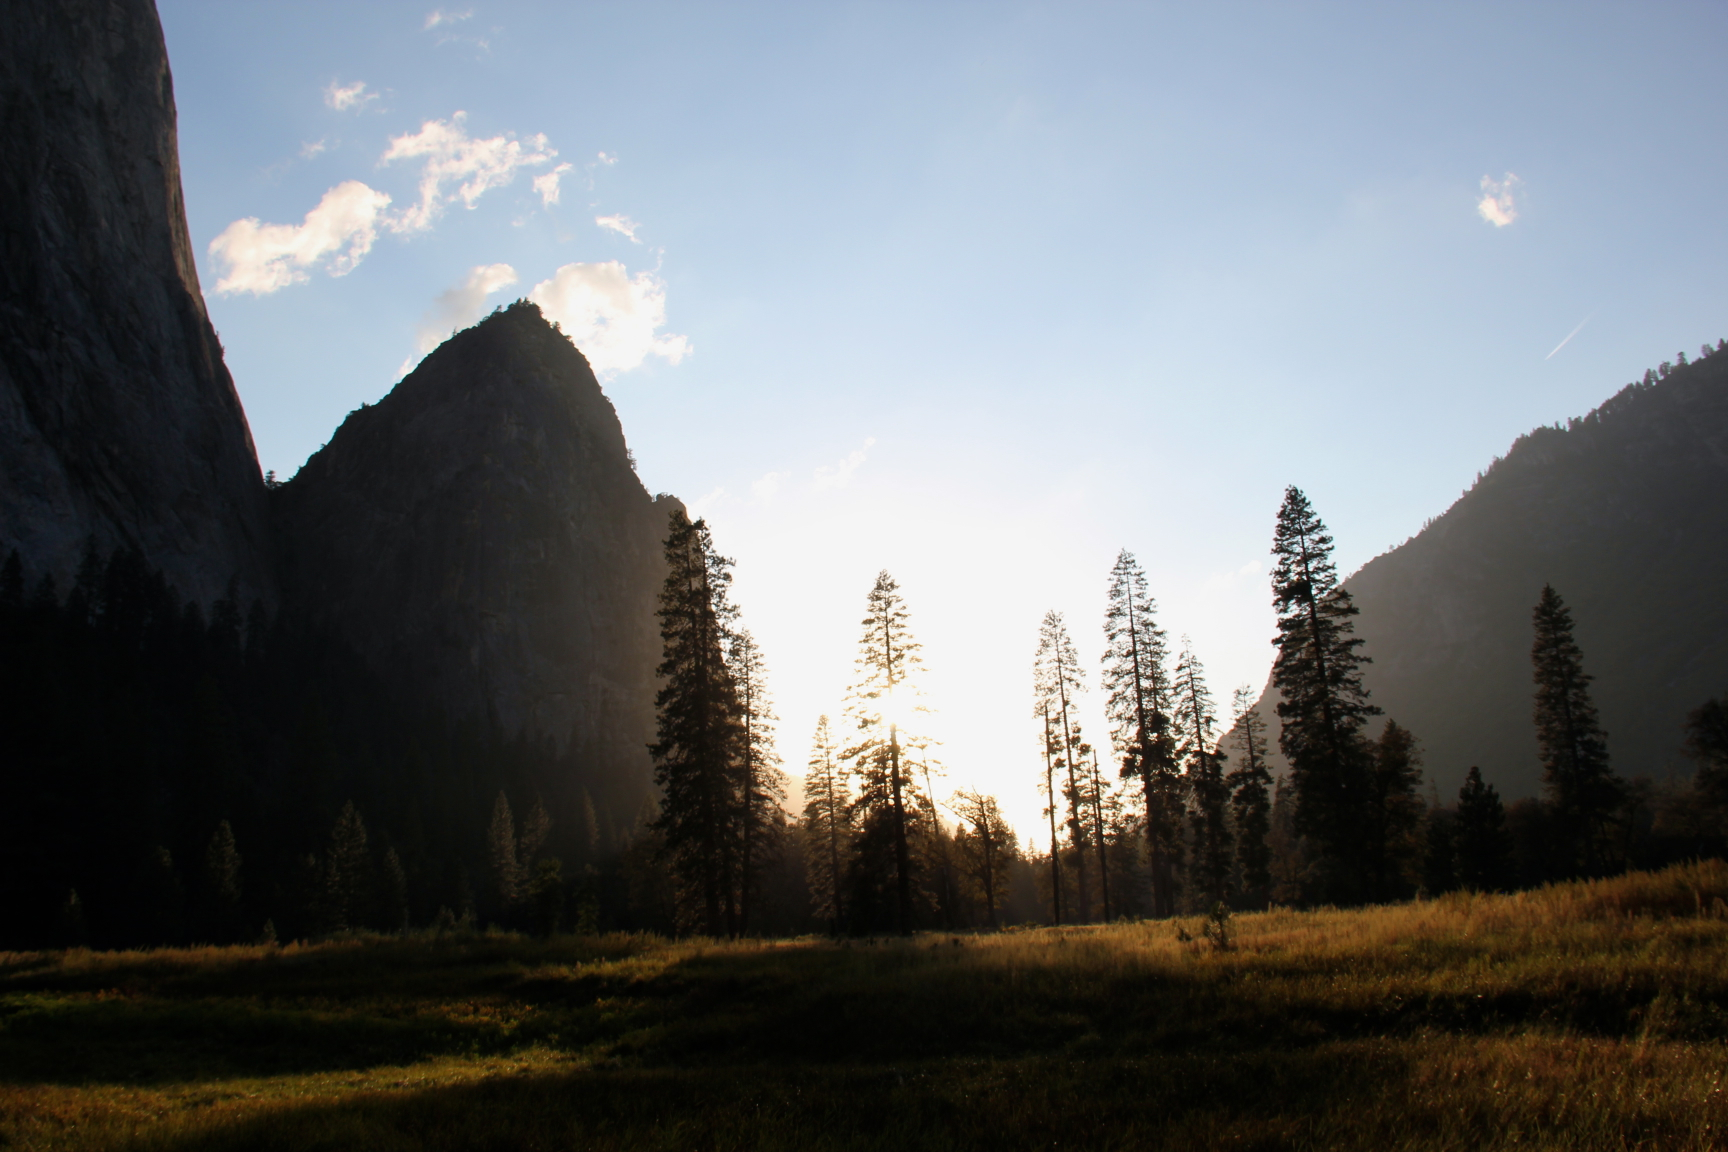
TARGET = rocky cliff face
(1625,512)
(119,420)
(481,537)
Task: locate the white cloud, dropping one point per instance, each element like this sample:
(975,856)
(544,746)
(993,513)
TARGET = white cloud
(453,157)
(704,503)
(610,315)
(460,306)
(343,97)
(622,225)
(607,160)
(547,185)
(769,486)
(839,475)
(314,148)
(264,257)
(439,18)
(1499,203)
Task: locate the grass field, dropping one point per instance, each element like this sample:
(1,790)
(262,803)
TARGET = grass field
(1581,1016)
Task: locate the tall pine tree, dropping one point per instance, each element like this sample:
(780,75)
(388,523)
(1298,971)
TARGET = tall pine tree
(701,731)
(1056,682)
(884,756)
(761,786)
(1393,812)
(827,826)
(1479,836)
(1196,744)
(1136,690)
(1583,790)
(1250,784)
(1323,704)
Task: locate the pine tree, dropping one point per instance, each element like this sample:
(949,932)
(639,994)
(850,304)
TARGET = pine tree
(392,894)
(502,859)
(1480,841)
(701,730)
(1056,683)
(347,873)
(1584,792)
(1250,784)
(1052,749)
(222,882)
(1098,792)
(1707,743)
(761,785)
(1393,811)
(1194,720)
(986,850)
(883,752)
(827,825)
(531,838)
(1136,688)
(1324,704)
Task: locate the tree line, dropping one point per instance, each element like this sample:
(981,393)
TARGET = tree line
(1180,815)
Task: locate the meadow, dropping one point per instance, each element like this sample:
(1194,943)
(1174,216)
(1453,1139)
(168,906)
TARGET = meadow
(1581,1016)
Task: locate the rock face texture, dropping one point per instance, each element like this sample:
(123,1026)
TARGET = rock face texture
(1625,512)
(480,536)
(120,422)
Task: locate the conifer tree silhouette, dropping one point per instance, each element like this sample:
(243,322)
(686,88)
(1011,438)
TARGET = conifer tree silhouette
(827,825)
(1056,682)
(1479,835)
(1250,784)
(1582,789)
(1136,691)
(884,751)
(1323,703)
(701,731)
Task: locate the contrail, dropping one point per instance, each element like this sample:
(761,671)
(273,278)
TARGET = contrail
(1569,336)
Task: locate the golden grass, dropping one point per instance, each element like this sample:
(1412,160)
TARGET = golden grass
(1591,1015)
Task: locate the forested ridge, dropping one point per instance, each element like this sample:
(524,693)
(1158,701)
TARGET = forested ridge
(174,775)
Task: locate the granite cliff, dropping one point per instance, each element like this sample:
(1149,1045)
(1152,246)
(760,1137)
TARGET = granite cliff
(120,421)
(481,538)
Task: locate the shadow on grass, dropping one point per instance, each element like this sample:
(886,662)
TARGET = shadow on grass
(1265,1101)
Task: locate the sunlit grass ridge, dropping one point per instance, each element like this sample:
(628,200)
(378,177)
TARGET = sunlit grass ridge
(1588,1015)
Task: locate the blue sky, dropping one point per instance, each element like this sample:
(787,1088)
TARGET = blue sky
(979,293)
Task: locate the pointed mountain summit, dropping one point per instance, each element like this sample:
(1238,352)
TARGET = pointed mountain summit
(120,422)
(481,538)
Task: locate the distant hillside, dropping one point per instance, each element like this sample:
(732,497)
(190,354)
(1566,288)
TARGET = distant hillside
(1625,512)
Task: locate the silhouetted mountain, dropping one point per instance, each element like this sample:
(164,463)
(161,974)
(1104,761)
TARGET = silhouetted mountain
(481,538)
(1625,512)
(120,422)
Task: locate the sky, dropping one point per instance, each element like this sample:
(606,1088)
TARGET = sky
(979,294)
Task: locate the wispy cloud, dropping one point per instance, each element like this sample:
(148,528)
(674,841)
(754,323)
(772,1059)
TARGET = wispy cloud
(610,315)
(1569,335)
(461,305)
(622,225)
(606,160)
(547,185)
(337,233)
(839,475)
(442,18)
(314,148)
(1499,203)
(769,486)
(454,157)
(348,97)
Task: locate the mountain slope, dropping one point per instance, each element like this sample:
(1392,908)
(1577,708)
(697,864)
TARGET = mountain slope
(1625,512)
(481,538)
(120,421)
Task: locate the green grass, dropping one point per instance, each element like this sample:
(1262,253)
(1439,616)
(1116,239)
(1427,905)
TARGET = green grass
(1580,1016)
